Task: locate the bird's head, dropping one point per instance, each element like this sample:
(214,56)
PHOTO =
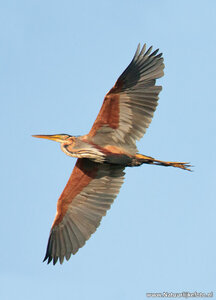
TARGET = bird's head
(66,141)
(63,139)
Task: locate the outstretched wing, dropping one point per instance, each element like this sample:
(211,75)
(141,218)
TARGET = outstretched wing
(89,193)
(129,106)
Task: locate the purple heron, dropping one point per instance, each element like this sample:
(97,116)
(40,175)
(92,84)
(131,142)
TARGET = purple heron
(103,154)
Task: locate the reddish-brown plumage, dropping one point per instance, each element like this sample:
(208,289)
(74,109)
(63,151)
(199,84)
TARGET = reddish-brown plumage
(109,112)
(79,179)
(109,149)
(115,150)
(104,153)
(108,115)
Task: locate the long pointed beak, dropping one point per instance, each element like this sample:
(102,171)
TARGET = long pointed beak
(56,137)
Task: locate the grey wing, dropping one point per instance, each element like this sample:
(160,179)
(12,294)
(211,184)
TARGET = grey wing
(88,195)
(129,106)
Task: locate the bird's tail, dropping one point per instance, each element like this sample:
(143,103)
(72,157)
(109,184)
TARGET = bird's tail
(150,160)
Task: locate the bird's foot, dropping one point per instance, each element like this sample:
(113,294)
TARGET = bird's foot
(143,159)
(181,165)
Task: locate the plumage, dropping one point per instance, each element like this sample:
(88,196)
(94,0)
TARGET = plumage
(91,190)
(103,154)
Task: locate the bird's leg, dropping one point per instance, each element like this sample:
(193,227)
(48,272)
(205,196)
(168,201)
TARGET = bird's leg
(150,160)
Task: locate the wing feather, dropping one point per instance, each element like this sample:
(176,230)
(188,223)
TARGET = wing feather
(88,195)
(129,106)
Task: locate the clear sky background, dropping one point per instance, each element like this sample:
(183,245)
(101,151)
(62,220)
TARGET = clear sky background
(57,61)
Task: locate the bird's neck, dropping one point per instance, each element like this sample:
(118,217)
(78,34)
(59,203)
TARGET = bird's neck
(80,148)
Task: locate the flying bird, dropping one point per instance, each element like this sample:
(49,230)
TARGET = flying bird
(103,154)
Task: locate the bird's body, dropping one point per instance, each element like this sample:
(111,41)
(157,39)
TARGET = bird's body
(84,147)
(103,154)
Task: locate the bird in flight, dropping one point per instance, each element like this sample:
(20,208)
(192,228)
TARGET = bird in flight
(103,154)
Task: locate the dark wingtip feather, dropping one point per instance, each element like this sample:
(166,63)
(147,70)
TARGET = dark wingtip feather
(148,51)
(55,259)
(48,258)
(159,55)
(48,255)
(154,53)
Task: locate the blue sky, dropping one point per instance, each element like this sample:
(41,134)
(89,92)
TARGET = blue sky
(58,59)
